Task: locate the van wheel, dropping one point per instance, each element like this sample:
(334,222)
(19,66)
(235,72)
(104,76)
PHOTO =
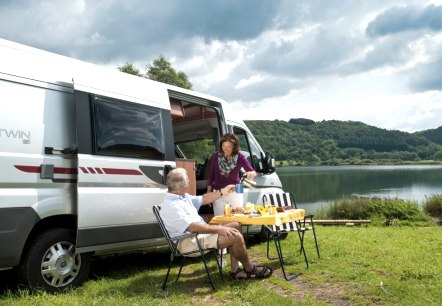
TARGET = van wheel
(51,263)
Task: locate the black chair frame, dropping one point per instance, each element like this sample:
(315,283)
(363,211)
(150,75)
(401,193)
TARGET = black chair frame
(276,233)
(175,253)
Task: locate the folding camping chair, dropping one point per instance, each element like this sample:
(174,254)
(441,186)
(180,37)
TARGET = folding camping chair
(174,253)
(287,199)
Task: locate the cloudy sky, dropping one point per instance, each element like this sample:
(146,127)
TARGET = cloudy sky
(375,61)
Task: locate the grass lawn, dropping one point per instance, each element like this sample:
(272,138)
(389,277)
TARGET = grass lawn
(365,265)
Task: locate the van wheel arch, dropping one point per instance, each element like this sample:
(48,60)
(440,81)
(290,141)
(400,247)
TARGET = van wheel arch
(50,262)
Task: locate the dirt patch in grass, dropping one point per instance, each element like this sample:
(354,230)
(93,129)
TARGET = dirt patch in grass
(326,292)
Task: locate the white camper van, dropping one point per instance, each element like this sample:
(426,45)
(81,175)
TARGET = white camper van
(84,152)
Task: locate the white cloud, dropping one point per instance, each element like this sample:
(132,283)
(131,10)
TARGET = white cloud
(246,82)
(377,61)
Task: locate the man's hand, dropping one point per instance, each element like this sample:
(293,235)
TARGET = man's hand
(228,231)
(228,189)
(214,195)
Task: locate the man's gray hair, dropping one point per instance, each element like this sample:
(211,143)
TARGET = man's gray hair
(177,179)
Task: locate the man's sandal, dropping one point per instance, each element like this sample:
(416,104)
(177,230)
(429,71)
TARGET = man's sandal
(263,273)
(236,274)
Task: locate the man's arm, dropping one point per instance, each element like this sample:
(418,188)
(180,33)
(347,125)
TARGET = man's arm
(210,197)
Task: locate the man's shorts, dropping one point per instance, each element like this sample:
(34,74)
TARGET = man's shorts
(206,241)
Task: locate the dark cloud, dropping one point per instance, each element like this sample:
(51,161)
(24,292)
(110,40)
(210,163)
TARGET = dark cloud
(392,52)
(401,19)
(318,52)
(108,30)
(427,76)
(140,28)
(225,20)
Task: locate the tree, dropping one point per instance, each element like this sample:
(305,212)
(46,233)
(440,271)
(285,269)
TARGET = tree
(301,121)
(131,69)
(162,71)
(438,155)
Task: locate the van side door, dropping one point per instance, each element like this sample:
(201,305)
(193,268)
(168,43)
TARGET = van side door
(123,154)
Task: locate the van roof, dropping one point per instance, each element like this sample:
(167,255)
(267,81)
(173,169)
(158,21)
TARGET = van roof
(39,65)
(42,66)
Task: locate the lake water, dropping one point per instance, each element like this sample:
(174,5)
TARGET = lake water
(314,187)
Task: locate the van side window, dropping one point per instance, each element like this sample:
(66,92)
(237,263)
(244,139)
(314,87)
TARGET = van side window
(127,130)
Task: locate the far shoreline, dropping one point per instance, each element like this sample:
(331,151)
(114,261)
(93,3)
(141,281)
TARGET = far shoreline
(285,163)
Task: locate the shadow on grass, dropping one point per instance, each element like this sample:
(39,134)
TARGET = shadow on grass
(145,272)
(114,267)
(123,265)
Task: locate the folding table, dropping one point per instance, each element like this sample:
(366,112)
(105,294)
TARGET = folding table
(273,224)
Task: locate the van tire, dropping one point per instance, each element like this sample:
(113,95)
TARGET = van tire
(51,263)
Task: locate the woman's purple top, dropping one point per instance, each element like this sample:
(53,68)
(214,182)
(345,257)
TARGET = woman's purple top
(219,181)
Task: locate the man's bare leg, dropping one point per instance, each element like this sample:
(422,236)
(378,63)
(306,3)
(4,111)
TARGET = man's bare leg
(236,247)
(238,253)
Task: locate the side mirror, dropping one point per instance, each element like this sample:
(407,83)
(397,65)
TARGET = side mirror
(269,163)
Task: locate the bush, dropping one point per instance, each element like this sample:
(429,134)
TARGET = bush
(433,206)
(354,208)
(378,210)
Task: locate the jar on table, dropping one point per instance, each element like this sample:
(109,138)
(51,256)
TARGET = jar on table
(227,210)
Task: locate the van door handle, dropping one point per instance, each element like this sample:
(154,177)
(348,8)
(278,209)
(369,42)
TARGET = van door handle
(65,151)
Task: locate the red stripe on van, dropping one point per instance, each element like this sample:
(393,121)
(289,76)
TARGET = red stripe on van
(122,171)
(28,169)
(60,170)
(37,169)
(99,171)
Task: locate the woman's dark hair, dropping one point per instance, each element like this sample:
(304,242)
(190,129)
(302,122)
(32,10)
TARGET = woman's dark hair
(231,138)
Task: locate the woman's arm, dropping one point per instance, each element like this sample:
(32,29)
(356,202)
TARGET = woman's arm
(243,162)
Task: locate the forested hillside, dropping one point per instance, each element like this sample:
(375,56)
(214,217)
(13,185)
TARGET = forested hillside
(305,142)
(434,135)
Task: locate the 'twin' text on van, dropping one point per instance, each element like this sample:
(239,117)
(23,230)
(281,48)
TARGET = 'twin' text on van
(84,152)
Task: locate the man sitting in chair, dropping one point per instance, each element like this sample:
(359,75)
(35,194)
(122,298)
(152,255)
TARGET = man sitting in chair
(179,212)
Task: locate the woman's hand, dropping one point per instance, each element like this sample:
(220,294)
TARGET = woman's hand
(250,175)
